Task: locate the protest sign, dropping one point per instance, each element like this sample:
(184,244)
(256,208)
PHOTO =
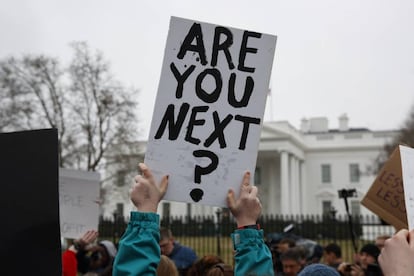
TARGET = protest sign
(407,166)
(29,203)
(209,109)
(78,202)
(386,195)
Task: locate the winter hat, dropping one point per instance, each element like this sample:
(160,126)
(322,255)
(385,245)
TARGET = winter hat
(371,249)
(318,270)
(110,248)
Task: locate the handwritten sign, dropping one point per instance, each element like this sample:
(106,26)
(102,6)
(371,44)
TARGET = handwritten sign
(209,108)
(78,202)
(407,165)
(386,195)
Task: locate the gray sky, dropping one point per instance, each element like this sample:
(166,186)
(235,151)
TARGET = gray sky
(332,57)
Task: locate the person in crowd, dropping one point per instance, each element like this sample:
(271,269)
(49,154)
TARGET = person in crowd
(292,262)
(282,246)
(368,255)
(332,255)
(367,264)
(182,256)
(101,258)
(139,252)
(166,267)
(69,258)
(285,244)
(316,256)
(210,265)
(380,241)
(397,256)
(318,270)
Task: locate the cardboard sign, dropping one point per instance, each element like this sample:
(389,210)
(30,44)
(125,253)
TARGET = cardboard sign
(386,195)
(209,108)
(407,165)
(29,203)
(78,202)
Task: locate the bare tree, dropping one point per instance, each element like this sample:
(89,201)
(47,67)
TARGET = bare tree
(404,137)
(91,110)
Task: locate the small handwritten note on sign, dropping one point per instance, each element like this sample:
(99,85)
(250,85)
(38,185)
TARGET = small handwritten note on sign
(78,196)
(407,165)
(209,109)
(391,198)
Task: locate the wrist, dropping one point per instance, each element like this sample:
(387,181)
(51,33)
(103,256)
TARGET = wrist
(147,208)
(250,226)
(243,222)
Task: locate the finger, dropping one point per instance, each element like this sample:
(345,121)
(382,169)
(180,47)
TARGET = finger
(231,200)
(403,235)
(411,238)
(164,185)
(136,178)
(253,191)
(146,172)
(245,186)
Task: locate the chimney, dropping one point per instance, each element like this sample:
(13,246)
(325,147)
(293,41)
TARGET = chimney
(304,125)
(318,124)
(343,122)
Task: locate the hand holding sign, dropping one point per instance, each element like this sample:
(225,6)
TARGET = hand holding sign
(397,256)
(145,193)
(247,208)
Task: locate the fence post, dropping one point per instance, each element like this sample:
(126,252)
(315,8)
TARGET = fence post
(218,231)
(114,226)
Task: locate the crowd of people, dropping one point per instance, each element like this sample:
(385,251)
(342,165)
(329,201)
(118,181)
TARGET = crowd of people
(147,249)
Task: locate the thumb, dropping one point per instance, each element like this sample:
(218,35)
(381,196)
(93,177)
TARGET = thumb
(411,238)
(164,185)
(231,200)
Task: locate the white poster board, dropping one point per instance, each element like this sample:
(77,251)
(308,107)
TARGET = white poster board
(78,202)
(407,166)
(208,114)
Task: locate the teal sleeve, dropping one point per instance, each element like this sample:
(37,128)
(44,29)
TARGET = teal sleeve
(139,252)
(252,256)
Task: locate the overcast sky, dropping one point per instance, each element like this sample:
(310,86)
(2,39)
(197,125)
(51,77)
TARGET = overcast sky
(332,57)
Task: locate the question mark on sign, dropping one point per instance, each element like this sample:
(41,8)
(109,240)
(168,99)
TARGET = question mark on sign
(197,194)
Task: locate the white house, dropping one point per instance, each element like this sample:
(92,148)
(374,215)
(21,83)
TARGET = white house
(298,171)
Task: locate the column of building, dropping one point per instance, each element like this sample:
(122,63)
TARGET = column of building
(291,184)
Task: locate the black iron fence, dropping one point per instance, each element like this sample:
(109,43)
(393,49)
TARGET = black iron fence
(211,234)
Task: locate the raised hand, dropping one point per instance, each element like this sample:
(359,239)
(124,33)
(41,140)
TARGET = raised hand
(145,193)
(397,256)
(246,208)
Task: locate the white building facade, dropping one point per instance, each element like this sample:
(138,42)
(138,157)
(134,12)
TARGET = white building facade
(297,171)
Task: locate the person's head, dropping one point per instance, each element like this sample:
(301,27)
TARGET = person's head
(166,267)
(368,255)
(318,270)
(285,244)
(166,241)
(210,265)
(380,241)
(291,262)
(332,254)
(103,255)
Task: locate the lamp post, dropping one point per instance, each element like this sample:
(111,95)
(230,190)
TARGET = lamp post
(218,232)
(344,193)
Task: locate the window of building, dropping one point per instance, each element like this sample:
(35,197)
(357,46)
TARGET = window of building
(355,208)
(326,207)
(120,209)
(326,173)
(166,209)
(257,176)
(120,178)
(354,172)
